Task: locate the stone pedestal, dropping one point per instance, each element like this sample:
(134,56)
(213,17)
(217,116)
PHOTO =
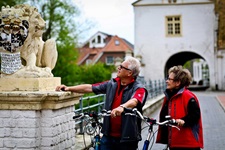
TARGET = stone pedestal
(29,84)
(36,117)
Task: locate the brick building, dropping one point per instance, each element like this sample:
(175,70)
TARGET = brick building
(105,48)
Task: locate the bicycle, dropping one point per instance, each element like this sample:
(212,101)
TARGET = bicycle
(93,126)
(150,123)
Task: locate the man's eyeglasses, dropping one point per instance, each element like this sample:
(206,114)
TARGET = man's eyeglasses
(170,79)
(122,67)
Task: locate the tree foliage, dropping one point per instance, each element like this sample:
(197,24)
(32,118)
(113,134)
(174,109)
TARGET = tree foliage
(95,73)
(60,25)
(10,2)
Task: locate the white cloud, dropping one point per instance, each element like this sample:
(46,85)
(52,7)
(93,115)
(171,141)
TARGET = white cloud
(114,17)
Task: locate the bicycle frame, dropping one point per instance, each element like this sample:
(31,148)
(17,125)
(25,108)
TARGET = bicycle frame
(147,141)
(97,143)
(150,131)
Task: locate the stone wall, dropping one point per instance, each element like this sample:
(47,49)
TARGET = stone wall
(45,129)
(37,120)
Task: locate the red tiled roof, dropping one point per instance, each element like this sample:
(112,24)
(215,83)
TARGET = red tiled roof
(111,46)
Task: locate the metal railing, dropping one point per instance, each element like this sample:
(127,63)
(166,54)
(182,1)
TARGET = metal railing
(155,88)
(99,104)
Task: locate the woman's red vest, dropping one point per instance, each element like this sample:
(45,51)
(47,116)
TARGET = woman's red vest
(188,137)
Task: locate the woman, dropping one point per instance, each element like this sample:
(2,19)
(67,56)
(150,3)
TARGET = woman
(182,105)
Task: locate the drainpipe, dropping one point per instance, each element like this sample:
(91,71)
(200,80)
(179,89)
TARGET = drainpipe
(216,50)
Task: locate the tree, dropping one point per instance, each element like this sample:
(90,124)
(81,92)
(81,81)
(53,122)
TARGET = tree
(95,73)
(10,2)
(60,25)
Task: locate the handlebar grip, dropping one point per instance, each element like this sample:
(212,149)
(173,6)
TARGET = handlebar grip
(105,111)
(63,89)
(78,116)
(128,110)
(173,122)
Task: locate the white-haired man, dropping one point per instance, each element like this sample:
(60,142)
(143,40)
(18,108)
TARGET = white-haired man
(120,132)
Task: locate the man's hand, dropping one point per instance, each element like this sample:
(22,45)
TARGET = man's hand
(117,111)
(61,88)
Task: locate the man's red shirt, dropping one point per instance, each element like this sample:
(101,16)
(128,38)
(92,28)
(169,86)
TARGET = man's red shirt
(116,122)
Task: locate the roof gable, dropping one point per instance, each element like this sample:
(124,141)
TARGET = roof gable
(97,40)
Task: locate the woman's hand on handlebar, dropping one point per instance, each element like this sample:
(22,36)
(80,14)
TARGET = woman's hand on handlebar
(180,122)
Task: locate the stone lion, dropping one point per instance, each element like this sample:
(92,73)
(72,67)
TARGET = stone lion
(38,57)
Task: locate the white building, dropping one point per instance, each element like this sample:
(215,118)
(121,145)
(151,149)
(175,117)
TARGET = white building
(200,71)
(172,32)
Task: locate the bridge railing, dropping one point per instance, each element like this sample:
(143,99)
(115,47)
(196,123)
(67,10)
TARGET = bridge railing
(154,88)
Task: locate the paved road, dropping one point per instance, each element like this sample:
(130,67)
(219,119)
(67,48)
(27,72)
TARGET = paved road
(213,117)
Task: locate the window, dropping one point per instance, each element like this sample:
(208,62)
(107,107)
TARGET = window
(174,1)
(173,26)
(117,42)
(99,39)
(109,60)
(88,61)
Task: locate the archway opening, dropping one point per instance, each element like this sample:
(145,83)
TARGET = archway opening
(195,63)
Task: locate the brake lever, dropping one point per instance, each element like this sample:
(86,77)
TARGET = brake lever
(173,126)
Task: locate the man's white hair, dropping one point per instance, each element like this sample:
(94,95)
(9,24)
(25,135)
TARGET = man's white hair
(134,65)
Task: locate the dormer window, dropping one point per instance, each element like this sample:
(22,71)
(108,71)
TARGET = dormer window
(117,42)
(99,39)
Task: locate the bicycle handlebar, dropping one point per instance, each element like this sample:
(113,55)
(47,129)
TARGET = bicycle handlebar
(128,111)
(151,121)
(93,114)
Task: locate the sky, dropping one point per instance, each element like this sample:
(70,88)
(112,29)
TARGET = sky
(115,17)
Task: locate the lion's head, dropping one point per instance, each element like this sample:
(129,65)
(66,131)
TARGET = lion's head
(12,30)
(35,21)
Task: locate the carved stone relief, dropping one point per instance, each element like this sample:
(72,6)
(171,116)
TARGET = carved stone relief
(23,52)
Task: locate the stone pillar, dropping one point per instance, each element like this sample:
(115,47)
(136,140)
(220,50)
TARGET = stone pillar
(38,117)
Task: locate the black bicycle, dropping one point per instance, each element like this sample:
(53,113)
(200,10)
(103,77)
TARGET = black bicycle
(93,126)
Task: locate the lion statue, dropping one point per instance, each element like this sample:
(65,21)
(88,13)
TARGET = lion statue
(38,58)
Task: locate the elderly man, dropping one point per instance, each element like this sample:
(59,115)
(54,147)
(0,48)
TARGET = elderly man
(120,132)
